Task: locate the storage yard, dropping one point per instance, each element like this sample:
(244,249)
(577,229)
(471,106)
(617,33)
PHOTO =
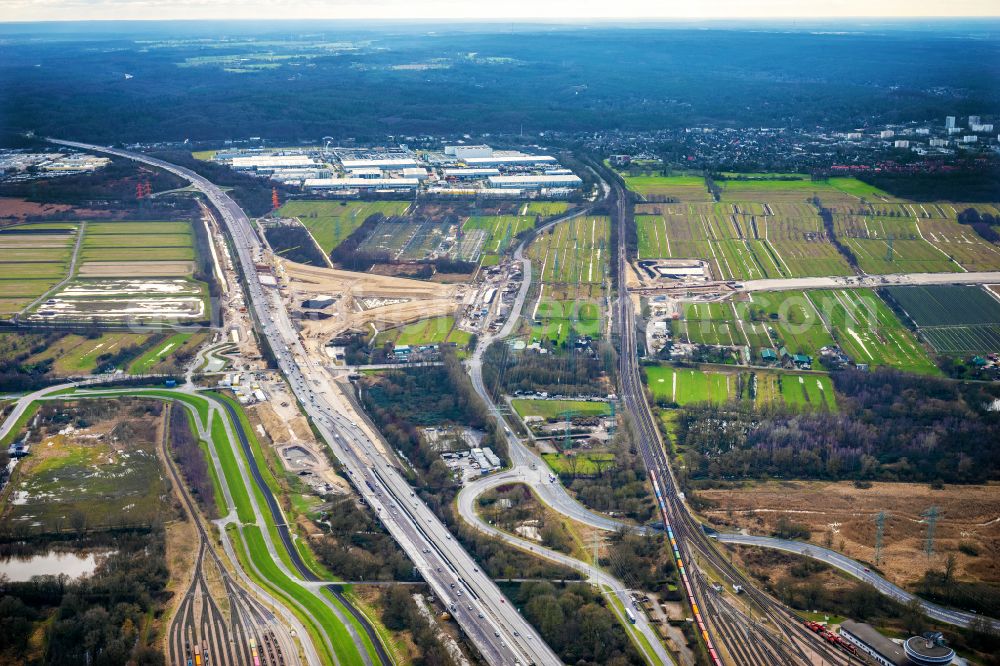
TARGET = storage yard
(453,171)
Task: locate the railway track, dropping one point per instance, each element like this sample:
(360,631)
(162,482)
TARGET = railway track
(777,636)
(199,633)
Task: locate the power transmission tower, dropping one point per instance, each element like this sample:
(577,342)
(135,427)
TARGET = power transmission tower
(879,533)
(568,435)
(931,516)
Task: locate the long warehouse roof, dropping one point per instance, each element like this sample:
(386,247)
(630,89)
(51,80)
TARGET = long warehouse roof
(507,181)
(389,163)
(508,159)
(345,183)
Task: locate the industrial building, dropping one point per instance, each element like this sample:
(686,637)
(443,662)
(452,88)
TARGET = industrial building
(508,160)
(535,181)
(874,644)
(271,162)
(361,183)
(462,152)
(385,163)
(928,650)
(470,172)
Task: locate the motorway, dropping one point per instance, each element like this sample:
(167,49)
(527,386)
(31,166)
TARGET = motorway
(491,623)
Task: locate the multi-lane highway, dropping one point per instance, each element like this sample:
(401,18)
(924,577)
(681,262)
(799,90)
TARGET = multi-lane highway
(491,623)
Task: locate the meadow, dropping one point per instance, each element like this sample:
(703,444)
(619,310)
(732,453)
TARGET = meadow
(100,481)
(676,188)
(330,222)
(554,409)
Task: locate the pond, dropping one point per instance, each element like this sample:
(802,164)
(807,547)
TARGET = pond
(74,565)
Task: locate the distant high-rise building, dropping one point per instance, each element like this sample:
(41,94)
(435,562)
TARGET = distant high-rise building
(887,134)
(949,122)
(974,120)
(939,143)
(901,143)
(970,138)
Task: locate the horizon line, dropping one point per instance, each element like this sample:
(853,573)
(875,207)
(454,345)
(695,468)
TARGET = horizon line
(521,20)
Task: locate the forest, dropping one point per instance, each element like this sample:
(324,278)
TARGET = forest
(890,427)
(572,373)
(148,81)
(355,546)
(103,619)
(574,620)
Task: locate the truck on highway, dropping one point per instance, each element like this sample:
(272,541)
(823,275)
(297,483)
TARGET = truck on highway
(630,614)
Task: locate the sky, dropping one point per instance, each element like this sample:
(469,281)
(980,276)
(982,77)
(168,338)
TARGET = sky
(76,10)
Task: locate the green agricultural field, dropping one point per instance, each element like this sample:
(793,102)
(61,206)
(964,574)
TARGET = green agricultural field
(544,208)
(137,254)
(685,386)
(556,320)
(33,258)
(801,188)
(573,252)
(788,319)
(427,331)
(498,232)
(679,188)
(953,319)
(741,240)
(138,228)
(554,409)
(102,241)
(868,331)
(768,320)
(330,222)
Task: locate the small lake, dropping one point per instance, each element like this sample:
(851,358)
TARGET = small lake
(51,564)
